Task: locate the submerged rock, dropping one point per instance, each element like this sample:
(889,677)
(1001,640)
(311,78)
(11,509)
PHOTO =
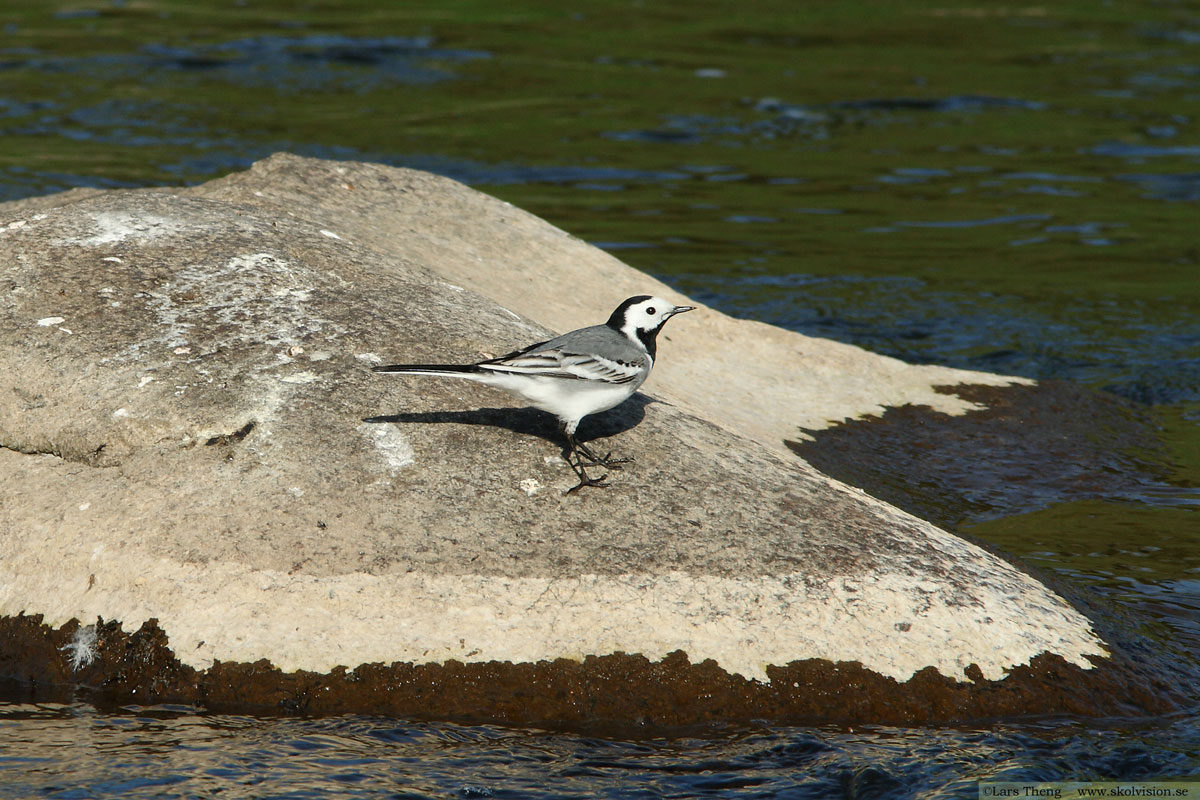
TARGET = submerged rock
(190,434)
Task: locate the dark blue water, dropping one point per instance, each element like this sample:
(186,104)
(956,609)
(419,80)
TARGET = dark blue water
(73,752)
(1026,205)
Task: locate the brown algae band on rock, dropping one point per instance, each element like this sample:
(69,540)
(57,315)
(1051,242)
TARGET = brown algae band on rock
(111,666)
(190,433)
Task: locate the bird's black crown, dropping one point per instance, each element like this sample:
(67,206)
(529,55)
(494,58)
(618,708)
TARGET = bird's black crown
(618,317)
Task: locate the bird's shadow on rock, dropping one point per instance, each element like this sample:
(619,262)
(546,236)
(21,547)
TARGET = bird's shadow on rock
(532,421)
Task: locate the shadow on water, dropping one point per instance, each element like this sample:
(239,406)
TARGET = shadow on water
(1029,448)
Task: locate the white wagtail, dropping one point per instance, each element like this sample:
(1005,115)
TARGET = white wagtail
(579,373)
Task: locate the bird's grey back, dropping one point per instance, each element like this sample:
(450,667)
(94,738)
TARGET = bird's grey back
(597,339)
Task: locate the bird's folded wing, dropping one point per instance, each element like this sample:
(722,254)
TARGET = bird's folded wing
(560,364)
(598,368)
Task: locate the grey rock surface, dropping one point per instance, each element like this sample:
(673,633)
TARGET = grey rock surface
(190,431)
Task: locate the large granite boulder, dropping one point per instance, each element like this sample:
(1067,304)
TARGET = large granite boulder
(192,444)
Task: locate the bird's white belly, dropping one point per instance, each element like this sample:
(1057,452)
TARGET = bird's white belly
(568,399)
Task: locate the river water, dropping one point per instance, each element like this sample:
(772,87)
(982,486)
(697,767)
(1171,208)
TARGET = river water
(1007,188)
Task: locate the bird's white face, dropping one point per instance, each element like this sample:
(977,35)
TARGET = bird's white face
(650,314)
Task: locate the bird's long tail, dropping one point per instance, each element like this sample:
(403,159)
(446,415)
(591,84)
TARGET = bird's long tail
(445,370)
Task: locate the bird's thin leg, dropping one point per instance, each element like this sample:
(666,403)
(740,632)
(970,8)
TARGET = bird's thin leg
(576,464)
(606,461)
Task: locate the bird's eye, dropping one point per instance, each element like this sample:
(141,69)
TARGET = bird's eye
(650,310)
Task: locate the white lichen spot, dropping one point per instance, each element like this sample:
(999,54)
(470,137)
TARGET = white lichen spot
(46,322)
(295,491)
(145,379)
(320,355)
(531,486)
(114,260)
(253,300)
(84,506)
(370,358)
(181,351)
(300,377)
(330,234)
(82,649)
(117,226)
(121,413)
(391,445)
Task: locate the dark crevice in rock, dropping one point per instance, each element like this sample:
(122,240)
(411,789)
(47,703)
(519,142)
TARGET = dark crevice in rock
(27,451)
(232,438)
(92,458)
(627,691)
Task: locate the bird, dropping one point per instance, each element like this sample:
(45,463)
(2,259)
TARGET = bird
(576,374)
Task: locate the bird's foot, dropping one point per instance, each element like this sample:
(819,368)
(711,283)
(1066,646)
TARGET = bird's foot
(584,480)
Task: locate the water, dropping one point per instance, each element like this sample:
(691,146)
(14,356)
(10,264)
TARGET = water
(1004,188)
(73,752)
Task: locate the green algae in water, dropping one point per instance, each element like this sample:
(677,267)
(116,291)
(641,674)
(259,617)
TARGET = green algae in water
(1121,541)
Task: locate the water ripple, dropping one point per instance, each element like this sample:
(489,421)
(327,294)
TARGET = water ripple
(315,62)
(76,752)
